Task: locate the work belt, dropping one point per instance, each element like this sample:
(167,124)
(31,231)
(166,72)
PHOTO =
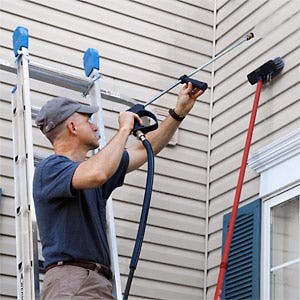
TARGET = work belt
(101,269)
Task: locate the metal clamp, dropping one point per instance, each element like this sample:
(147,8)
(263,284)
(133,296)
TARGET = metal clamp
(93,79)
(21,53)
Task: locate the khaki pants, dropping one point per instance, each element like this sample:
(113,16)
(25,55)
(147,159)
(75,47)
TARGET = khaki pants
(71,282)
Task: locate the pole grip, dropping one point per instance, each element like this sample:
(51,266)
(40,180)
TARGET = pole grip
(196,83)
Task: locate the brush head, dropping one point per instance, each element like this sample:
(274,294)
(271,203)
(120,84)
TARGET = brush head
(266,71)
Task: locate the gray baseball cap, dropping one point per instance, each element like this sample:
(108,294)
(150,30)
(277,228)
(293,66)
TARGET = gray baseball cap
(57,110)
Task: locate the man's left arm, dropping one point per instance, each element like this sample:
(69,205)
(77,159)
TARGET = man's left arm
(160,137)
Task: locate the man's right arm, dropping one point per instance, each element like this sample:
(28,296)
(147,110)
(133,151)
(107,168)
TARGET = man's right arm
(96,170)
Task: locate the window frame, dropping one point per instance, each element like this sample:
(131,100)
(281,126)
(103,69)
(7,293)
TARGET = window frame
(282,156)
(268,204)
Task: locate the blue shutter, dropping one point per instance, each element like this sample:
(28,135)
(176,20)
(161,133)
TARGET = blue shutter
(242,278)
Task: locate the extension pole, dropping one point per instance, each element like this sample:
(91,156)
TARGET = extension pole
(232,220)
(248,37)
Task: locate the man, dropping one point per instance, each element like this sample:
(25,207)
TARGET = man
(70,192)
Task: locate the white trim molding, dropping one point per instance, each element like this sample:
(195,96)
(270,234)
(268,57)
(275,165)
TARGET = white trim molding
(278,163)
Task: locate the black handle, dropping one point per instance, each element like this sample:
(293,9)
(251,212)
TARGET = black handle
(196,83)
(140,110)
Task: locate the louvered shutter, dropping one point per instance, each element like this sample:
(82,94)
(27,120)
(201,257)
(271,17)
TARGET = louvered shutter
(242,278)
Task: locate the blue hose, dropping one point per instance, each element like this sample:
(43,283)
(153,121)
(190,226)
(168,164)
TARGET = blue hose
(144,216)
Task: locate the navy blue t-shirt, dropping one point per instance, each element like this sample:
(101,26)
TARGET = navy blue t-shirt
(72,223)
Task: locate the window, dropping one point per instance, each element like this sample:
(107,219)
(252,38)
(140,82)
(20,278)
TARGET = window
(282,246)
(278,165)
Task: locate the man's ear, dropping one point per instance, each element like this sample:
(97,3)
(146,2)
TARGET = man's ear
(72,128)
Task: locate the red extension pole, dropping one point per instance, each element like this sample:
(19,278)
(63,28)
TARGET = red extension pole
(237,196)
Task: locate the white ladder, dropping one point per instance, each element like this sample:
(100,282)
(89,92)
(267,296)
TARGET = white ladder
(23,170)
(26,229)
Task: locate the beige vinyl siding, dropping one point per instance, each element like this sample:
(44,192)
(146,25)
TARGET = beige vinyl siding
(7,223)
(278,112)
(7,207)
(144,47)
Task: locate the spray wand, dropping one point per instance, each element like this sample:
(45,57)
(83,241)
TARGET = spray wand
(140,108)
(140,131)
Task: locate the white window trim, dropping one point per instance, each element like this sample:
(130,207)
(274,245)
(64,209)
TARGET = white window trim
(280,157)
(271,162)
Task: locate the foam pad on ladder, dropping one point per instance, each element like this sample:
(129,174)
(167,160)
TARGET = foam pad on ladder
(90,61)
(20,39)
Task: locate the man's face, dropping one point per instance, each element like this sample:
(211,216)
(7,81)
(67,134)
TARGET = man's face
(87,132)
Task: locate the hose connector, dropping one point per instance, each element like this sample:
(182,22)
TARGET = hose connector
(249,36)
(140,135)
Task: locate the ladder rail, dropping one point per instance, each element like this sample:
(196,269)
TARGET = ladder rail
(98,118)
(34,256)
(23,168)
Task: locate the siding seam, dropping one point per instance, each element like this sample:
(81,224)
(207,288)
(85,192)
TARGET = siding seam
(209,155)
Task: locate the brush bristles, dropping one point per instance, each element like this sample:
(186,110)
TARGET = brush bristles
(278,64)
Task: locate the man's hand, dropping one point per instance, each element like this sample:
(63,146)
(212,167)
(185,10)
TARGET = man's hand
(186,99)
(127,120)
(161,136)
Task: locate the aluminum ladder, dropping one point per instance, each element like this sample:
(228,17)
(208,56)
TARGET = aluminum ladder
(23,113)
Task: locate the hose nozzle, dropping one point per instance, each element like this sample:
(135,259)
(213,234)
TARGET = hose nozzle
(266,71)
(249,36)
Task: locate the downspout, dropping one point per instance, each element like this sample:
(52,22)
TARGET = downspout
(205,287)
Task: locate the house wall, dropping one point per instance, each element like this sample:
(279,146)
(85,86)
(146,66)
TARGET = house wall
(144,47)
(276,27)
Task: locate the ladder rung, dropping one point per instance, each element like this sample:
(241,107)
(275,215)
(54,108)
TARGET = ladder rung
(65,79)
(51,75)
(58,77)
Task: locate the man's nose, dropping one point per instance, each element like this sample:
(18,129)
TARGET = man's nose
(93,126)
